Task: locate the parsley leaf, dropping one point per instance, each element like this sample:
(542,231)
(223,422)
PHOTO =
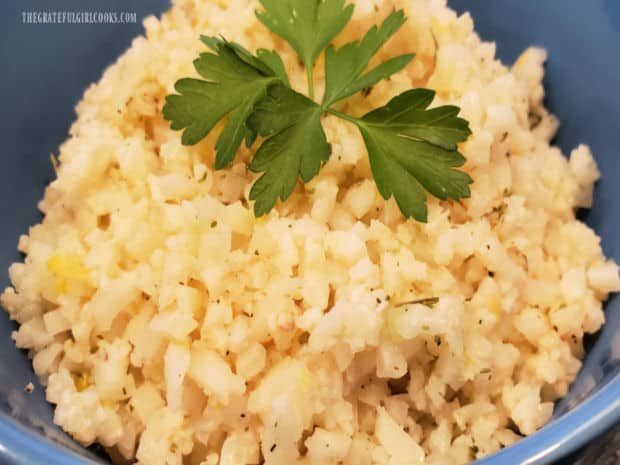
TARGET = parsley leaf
(274,61)
(409,114)
(344,66)
(235,81)
(307,25)
(295,146)
(412,149)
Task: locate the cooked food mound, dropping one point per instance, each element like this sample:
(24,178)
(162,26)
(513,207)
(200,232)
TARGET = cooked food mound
(174,327)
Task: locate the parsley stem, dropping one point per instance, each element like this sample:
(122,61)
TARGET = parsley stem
(310,77)
(344,116)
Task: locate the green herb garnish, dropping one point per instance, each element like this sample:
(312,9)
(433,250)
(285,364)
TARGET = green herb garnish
(307,25)
(344,67)
(295,145)
(235,81)
(429,302)
(412,149)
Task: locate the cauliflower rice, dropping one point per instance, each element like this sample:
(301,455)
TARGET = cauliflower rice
(173,327)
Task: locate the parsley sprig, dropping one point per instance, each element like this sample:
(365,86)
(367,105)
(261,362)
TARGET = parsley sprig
(412,148)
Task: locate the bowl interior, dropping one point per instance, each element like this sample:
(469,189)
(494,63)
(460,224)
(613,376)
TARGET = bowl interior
(579,82)
(51,65)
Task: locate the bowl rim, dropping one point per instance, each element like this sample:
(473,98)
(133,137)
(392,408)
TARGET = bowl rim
(560,437)
(565,434)
(20,445)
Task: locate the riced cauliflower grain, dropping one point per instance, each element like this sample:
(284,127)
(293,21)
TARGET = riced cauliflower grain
(174,328)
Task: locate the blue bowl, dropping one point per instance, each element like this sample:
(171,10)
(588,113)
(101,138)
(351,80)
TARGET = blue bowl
(47,67)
